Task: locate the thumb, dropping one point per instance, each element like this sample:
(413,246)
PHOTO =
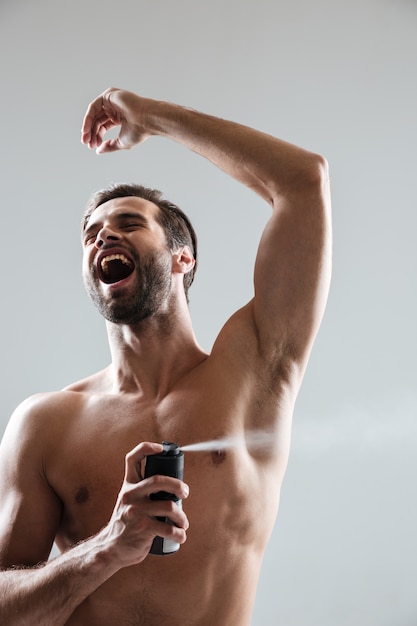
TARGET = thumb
(110,145)
(136,456)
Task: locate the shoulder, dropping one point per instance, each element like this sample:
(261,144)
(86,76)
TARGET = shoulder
(37,415)
(48,414)
(100,382)
(47,403)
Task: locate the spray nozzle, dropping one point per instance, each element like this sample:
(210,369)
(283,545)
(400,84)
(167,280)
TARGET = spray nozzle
(170,449)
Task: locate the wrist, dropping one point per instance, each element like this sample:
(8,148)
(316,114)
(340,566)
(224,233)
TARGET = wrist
(102,554)
(163,118)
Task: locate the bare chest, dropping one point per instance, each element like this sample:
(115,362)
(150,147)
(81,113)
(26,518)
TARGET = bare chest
(86,466)
(231,508)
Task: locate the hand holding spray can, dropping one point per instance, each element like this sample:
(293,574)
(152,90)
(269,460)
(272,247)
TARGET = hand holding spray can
(169,462)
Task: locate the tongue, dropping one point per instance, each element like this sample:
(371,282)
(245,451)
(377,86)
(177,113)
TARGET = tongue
(116,270)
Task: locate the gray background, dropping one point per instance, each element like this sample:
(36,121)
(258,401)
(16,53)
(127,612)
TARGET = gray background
(336,77)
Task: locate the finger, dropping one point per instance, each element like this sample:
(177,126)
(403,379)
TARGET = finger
(138,489)
(94,110)
(98,110)
(170,512)
(159,482)
(100,126)
(110,145)
(170,531)
(134,458)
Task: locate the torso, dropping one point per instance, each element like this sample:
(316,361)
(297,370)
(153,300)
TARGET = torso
(233,501)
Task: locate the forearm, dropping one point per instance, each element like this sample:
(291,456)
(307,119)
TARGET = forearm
(270,166)
(49,594)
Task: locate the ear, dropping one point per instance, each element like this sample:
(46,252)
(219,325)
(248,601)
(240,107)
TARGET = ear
(182,260)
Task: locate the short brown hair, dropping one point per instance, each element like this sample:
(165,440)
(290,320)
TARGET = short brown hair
(177,227)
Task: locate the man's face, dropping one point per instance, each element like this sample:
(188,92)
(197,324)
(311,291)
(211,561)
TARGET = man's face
(126,263)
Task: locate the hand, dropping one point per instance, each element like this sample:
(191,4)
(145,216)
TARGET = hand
(116,107)
(133,524)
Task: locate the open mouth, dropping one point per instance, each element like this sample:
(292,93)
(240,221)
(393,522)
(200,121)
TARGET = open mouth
(113,268)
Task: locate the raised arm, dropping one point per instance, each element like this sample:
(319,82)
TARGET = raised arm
(292,271)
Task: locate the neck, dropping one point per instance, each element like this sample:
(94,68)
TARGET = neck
(150,357)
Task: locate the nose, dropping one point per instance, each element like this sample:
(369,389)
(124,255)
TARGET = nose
(105,235)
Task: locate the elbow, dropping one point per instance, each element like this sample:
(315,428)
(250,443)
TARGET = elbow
(314,183)
(315,171)
(323,182)
(323,172)
(306,182)
(309,177)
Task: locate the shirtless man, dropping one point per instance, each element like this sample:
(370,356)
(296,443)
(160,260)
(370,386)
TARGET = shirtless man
(71,467)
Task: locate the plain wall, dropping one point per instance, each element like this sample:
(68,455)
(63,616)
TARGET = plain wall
(338,78)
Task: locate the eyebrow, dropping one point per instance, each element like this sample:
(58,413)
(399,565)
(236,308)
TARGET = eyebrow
(119,217)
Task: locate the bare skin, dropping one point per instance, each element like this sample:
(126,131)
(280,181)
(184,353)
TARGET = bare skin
(71,462)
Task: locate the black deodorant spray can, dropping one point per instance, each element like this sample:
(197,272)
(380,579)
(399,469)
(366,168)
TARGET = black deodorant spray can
(169,462)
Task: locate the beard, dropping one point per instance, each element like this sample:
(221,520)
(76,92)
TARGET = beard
(153,286)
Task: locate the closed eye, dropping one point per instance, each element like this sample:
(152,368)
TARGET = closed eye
(132,226)
(89,237)
(124,221)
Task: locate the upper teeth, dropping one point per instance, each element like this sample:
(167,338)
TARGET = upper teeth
(114,257)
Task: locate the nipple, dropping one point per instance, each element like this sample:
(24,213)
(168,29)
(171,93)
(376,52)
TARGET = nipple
(82,495)
(218,456)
